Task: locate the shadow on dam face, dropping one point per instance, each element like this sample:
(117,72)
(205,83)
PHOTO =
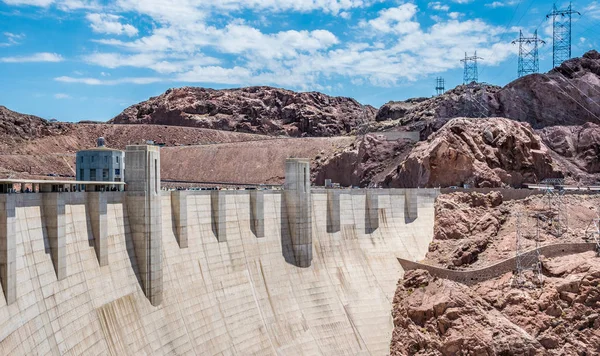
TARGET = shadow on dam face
(286,236)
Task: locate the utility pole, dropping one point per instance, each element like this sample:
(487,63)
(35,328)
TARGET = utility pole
(528,53)
(561,34)
(440,84)
(471,74)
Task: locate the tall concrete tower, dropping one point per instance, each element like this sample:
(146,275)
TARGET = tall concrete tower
(298,205)
(142,175)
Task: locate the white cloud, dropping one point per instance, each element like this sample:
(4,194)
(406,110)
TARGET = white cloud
(95,81)
(593,10)
(42,3)
(436,5)
(497,4)
(12,39)
(398,20)
(37,57)
(62,96)
(109,24)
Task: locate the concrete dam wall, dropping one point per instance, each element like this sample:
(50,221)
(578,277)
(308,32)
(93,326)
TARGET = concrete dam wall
(235,294)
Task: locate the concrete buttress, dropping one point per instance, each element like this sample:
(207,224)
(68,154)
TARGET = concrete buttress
(219,214)
(8,253)
(257,212)
(142,175)
(180,215)
(411,203)
(54,216)
(97,208)
(298,206)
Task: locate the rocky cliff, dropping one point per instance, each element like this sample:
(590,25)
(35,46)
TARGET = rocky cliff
(262,110)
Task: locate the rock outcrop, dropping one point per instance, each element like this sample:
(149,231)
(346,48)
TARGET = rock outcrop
(440,317)
(480,152)
(16,127)
(262,110)
(576,150)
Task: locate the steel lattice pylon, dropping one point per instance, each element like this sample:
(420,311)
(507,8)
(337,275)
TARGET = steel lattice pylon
(527,257)
(440,86)
(471,73)
(561,33)
(594,233)
(557,218)
(528,53)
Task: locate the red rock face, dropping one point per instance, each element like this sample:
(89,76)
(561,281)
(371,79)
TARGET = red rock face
(576,150)
(481,152)
(261,110)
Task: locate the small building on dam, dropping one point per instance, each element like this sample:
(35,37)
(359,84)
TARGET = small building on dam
(100,164)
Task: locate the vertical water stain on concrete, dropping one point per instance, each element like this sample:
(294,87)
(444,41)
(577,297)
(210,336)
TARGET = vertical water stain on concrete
(120,321)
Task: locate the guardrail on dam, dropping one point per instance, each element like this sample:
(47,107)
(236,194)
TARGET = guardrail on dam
(302,271)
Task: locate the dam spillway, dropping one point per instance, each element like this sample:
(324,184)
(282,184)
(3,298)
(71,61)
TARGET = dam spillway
(239,293)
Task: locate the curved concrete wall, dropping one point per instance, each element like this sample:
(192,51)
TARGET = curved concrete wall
(229,296)
(497,269)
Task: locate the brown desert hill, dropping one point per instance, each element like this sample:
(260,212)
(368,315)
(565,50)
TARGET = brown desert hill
(16,128)
(567,95)
(262,110)
(257,162)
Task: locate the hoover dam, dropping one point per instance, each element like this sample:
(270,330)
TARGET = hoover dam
(297,271)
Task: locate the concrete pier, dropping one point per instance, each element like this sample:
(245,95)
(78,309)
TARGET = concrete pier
(142,175)
(54,217)
(333,211)
(257,213)
(180,216)
(218,210)
(8,253)
(411,204)
(371,211)
(97,208)
(298,205)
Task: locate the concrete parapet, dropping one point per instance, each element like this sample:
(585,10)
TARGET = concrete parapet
(298,206)
(142,175)
(411,203)
(333,211)
(218,208)
(257,213)
(8,253)
(180,215)
(97,208)
(371,211)
(499,268)
(54,217)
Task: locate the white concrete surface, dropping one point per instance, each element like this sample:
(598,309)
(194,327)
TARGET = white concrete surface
(234,297)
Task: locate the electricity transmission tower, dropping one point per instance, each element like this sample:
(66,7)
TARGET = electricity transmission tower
(555,206)
(529,61)
(561,32)
(471,74)
(440,85)
(527,259)
(593,234)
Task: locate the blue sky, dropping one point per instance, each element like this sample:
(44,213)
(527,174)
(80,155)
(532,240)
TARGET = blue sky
(89,59)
